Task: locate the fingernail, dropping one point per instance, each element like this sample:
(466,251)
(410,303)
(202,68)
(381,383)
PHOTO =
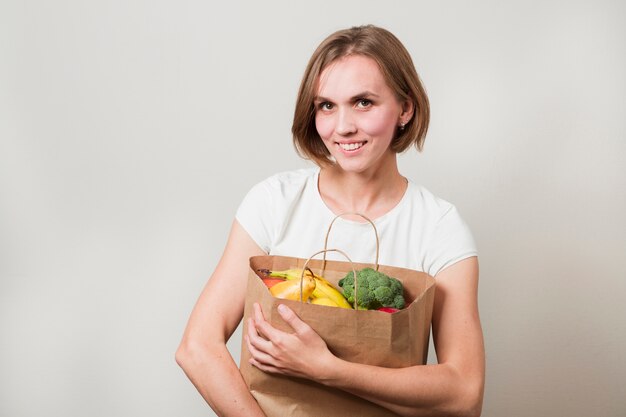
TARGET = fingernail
(281,308)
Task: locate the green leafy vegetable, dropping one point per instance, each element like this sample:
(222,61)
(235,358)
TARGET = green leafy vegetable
(374,290)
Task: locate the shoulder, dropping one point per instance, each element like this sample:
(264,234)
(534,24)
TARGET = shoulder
(449,238)
(271,202)
(274,194)
(284,186)
(287,180)
(430,205)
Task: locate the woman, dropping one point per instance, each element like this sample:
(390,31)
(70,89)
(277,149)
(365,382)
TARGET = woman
(359,104)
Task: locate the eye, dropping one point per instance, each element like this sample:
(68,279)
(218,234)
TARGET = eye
(325,105)
(363,103)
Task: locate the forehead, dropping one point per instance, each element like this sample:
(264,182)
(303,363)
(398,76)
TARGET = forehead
(349,75)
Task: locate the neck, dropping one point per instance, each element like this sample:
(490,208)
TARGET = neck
(371,193)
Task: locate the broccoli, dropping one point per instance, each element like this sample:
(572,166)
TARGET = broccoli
(375,290)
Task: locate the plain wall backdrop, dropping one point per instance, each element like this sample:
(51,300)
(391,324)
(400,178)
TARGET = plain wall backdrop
(131,130)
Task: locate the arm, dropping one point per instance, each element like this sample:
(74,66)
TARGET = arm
(452,387)
(202,352)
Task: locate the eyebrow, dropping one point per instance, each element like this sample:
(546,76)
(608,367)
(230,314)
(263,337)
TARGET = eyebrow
(364,94)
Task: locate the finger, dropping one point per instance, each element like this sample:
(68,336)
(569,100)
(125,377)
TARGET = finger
(258,355)
(258,341)
(259,318)
(292,319)
(265,368)
(263,327)
(258,312)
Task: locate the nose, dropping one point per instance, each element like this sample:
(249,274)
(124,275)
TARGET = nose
(345,122)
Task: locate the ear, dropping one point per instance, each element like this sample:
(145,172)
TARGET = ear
(408,108)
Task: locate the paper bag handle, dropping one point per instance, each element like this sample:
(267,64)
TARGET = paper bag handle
(305,268)
(328,233)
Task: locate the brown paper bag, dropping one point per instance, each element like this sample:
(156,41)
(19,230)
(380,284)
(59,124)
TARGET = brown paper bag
(369,337)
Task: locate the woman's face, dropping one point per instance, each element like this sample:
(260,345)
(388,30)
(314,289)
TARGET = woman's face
(357,114)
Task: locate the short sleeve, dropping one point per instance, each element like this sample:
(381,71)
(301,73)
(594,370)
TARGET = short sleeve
(254,214)
(451,242)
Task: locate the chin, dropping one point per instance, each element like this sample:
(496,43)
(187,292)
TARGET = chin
(358,166)
(347,166)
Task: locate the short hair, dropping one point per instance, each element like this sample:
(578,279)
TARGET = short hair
(397,68)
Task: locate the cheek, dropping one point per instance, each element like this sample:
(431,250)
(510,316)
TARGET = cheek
(324,126)
(379,125)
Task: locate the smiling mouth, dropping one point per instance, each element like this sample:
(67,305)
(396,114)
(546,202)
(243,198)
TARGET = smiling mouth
(351,146)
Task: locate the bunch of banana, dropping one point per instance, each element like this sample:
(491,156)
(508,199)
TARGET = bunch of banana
(290,290)
(323,294)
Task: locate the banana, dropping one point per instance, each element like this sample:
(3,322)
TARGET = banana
(290,290)
(323,288)
(286,273)
(324,301)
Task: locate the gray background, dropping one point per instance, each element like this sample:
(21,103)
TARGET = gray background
(130,131)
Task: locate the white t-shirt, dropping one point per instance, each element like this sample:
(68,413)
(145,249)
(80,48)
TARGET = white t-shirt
(285,215)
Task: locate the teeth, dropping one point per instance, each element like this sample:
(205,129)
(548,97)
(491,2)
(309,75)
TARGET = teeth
(351,146)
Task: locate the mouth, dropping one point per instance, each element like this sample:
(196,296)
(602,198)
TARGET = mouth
(352,146)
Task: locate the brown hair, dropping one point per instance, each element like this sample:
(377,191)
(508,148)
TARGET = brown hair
(396,67)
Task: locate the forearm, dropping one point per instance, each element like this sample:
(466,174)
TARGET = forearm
(216,377)
(427,390)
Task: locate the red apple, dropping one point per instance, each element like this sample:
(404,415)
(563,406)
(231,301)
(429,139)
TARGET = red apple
(270,282)
(388,309)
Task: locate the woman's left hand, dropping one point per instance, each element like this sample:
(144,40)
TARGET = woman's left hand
(302,353)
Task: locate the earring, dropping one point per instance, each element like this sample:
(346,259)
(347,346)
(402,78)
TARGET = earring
(402,125)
